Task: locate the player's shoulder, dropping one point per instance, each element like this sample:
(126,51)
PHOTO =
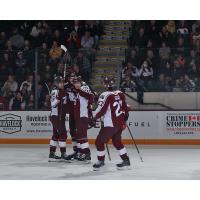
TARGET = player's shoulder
(118,92)
(105,95)
(85,87)
(54,91)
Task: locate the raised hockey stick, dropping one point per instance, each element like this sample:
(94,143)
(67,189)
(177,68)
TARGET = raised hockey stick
(47,88)
(135,144)
(63,47)
(66,53)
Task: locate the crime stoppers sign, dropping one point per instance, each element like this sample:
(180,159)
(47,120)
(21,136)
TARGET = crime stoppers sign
(182,124)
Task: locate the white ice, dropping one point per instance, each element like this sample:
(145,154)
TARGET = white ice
(160,162)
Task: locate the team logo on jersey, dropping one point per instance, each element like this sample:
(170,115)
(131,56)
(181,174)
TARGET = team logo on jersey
(10,123)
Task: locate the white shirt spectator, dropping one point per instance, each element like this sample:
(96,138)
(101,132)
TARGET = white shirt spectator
(34,32)
(10,86)
(145,71)
(29,86)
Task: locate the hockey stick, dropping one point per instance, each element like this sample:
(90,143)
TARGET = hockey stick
(135,144)
(47,88)
(66,53)
(63,47)
(108,152)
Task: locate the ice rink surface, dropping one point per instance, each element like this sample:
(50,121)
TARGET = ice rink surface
(160,162)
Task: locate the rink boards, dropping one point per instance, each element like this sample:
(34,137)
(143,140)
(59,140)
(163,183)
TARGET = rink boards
(147,127)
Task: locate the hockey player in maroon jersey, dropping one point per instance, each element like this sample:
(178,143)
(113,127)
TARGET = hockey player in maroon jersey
(113,108)
(57,117)
(72,95)
(84,98)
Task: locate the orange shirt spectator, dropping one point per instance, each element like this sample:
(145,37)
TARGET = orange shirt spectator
(55,51)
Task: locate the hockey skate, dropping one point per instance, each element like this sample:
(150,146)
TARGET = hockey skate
(124,165)
(98,166)
(53,157)
(65,157)
(74,156)
(85,158)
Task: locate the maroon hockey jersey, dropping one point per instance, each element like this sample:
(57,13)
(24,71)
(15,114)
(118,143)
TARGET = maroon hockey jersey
(58,102)
(112,107)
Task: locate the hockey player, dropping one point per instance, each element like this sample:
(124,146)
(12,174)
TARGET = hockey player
(114,110)
(57,117)
(84,98)
(72,95)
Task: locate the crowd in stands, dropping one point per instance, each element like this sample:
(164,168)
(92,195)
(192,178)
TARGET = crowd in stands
(19,42)
(163,56)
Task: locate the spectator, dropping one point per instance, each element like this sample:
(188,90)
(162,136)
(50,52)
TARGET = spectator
(36,30)
(25,92)
(181,60)
(43,55)
(177,71)
(194,72)
(77,28)
(146,74)
(76,69)
(171,27)
(166,70)
(4,72)
(140,38)
(87,41)
(183,29)
(132,57)
(55,52)
(47,73)
(84,65)
(20,61)
(192,59)
(10,87)
(28,82)
(93,29)
(145,71)
(152,31)
(9,48)
(41,95)
(73,42)
(164,51)
(26,45)
(163,84)
(197,46)
(60,69)
(128,85)
(2,39)
(46,104)
(30,103)
(21,68)
(17,40)
(8,62)
(17,102)
(188,84)
(57,37)
(130,70)
(166,37)
(180,49)
(179,83)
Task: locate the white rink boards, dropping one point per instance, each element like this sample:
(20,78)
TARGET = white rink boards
(145,125)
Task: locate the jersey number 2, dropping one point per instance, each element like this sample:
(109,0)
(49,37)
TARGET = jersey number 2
(118,106)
